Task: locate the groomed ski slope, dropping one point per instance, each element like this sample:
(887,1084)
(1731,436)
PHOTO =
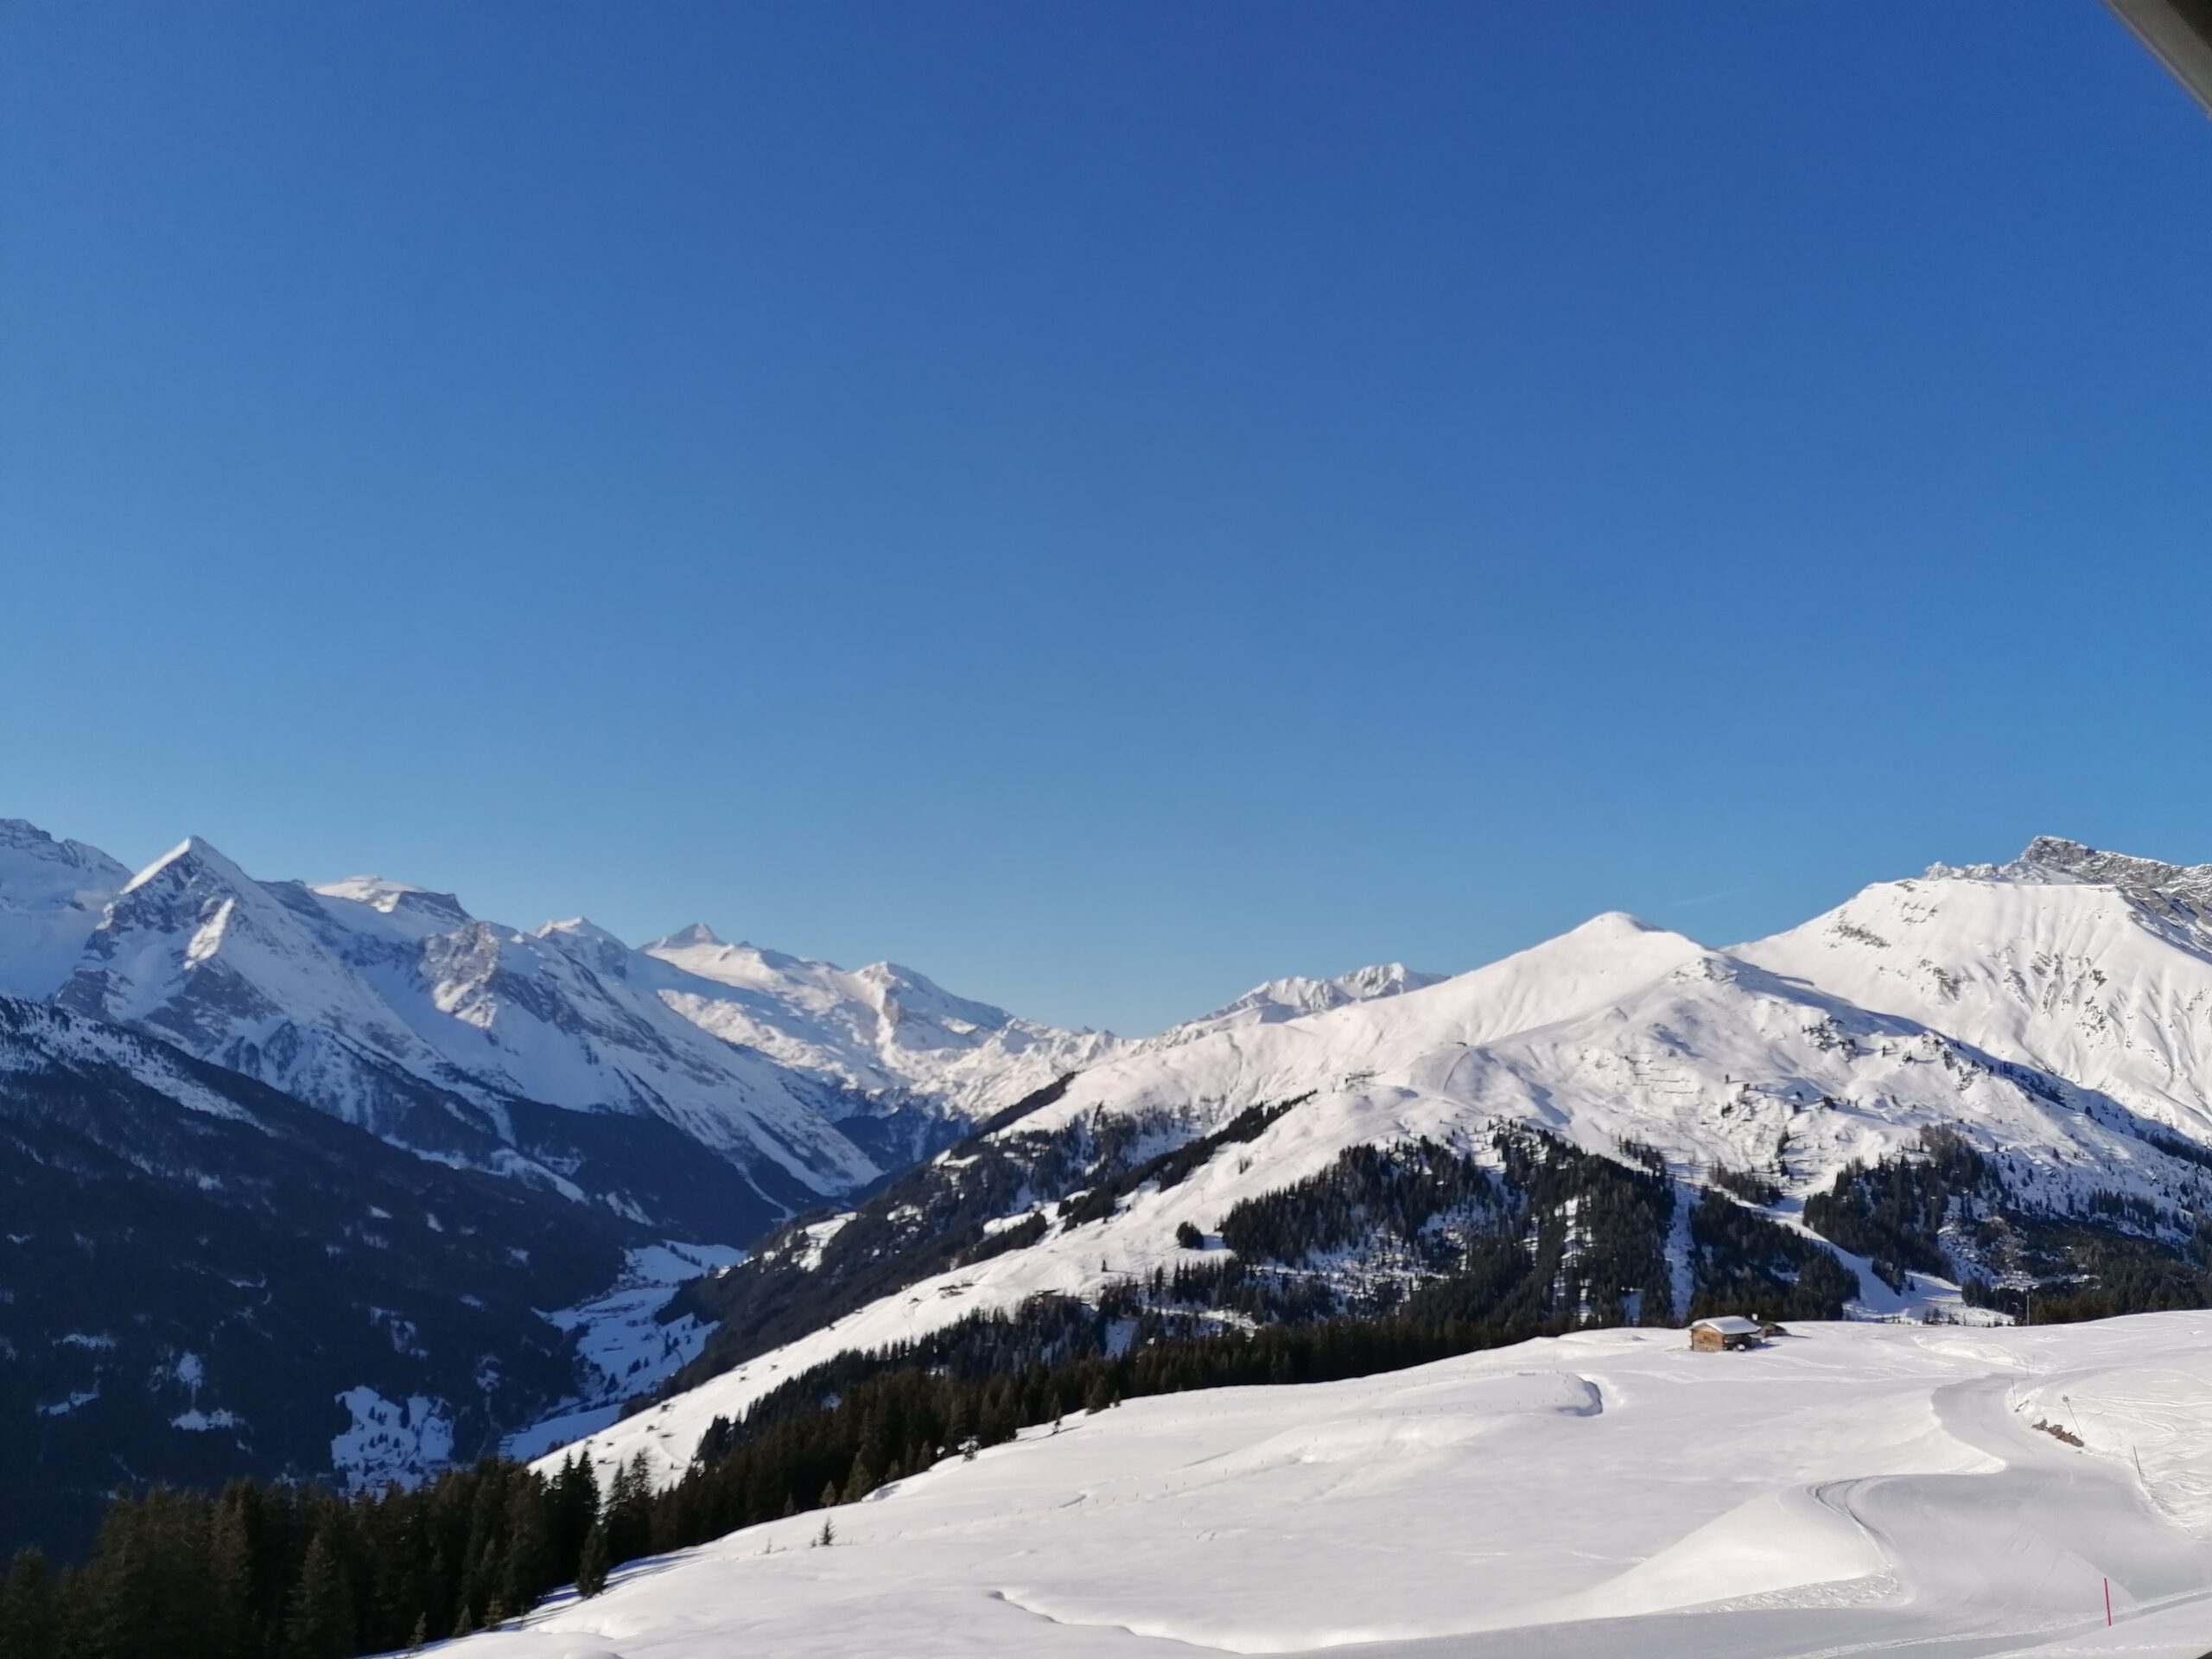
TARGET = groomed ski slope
(1851,1489)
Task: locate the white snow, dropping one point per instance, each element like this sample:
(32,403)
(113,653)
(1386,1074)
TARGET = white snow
(1850,1488)
(391,1440)
(196,1421)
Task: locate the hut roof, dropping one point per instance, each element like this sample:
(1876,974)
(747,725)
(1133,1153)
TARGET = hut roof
(1728,1324)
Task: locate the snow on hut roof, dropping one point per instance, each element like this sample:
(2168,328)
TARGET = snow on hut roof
(1728,1324)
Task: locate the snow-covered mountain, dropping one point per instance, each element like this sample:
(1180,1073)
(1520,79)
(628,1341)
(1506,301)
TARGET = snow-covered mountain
(52,894)
(367,997)
(2092,966)
(879,1031)
(2041,1030)
(1293,999)
(392,1007)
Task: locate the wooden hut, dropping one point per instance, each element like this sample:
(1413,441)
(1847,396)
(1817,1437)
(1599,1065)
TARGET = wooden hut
(1726,1333)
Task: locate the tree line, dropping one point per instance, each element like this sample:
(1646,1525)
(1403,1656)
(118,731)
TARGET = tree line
(290,1570)
(285,1570)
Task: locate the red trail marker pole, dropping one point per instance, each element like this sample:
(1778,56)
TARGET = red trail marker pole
(2107,1602)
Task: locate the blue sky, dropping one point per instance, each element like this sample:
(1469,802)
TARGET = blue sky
(1104,504)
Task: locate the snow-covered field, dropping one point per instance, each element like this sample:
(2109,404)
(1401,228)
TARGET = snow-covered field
(1851,1489)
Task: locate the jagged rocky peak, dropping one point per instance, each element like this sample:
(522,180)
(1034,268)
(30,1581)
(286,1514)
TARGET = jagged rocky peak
(697,936)
(2054,859)
(1288,998)
(586,941)
(192,861)
(1385,979)
(21,836)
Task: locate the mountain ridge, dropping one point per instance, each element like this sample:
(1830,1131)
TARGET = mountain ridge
(2042,1045)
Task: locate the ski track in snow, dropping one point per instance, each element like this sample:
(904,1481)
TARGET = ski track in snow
(1852,1489)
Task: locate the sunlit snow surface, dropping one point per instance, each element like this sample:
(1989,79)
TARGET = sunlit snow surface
(1851,1489)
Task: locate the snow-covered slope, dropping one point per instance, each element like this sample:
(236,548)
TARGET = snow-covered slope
(2061,1030)
(52,894)
(2092,966)
(1847,1490)
(883,1030)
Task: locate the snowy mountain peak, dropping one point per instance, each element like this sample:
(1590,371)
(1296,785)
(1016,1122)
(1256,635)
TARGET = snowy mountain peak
(580,927)
(1293,998)
(2053,859)
(587,942)
(883,1031)
(192,859)
(20,836)
(1612,925)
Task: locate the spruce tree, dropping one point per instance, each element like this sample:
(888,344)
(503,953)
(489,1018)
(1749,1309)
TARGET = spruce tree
(592,1569)
(575,1512)
(230,1611)
(29,1615)
(320,1625)
(528,1571)
(119,1592)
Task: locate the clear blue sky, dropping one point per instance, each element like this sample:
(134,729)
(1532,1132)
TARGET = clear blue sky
(1105,503)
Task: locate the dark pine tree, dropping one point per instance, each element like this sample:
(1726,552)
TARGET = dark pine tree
(594,1563)
(320,1624)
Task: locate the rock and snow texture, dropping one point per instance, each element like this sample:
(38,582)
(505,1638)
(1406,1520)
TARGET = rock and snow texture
(349,994)
(2091,966)
(883,1030)
(337,994)
(1290,998)
(1849,1489)
(360,995)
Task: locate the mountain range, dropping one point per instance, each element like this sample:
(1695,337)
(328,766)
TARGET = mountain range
(453,1145)
(1994,1079)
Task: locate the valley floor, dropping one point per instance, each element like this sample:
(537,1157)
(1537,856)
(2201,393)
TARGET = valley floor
(1850,1488)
